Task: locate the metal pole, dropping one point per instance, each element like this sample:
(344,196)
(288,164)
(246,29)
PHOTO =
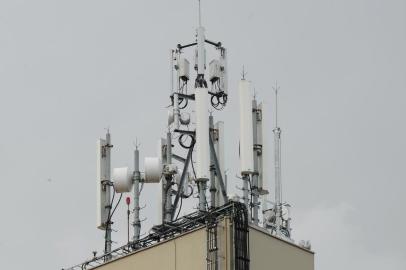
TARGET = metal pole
(200,15)
(108,193)
(246,179)
(213,188)
(137,178)
(168,179)
(225,182)
(254,187)
(202,194)
(176,111)
(171,71)
(128,223)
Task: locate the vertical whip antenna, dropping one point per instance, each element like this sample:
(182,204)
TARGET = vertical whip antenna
(200,15)
(276,89)
(244,73)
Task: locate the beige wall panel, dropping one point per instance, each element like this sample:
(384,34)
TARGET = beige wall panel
(188,252)
(182,253)
(191,251)
(159,257)
(268,253)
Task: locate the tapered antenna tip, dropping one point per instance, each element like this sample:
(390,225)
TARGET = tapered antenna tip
(276,89)
(244,73)
(200,14)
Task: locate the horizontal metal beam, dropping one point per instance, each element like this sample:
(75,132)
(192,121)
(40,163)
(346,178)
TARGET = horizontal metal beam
(216,44)
(191,96)
(187,45)
(178,158)
(185,132)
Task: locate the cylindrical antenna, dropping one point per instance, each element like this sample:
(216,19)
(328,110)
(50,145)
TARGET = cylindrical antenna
(202,143)
(201,54)
(246,130)
(276,88)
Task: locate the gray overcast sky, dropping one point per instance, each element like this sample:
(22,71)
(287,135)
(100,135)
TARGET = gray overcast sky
(68,69)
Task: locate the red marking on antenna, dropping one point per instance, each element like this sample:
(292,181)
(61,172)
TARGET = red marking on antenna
(128,200)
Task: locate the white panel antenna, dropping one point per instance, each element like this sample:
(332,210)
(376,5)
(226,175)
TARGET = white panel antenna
(223,67)
(202,133)
(246,132)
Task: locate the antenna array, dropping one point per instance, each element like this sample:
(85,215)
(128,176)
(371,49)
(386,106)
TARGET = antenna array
(200,164)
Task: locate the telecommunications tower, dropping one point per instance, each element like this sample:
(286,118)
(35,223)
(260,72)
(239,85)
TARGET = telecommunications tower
(189,164)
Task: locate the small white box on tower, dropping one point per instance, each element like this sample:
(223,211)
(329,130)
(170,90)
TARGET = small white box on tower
(183,69)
